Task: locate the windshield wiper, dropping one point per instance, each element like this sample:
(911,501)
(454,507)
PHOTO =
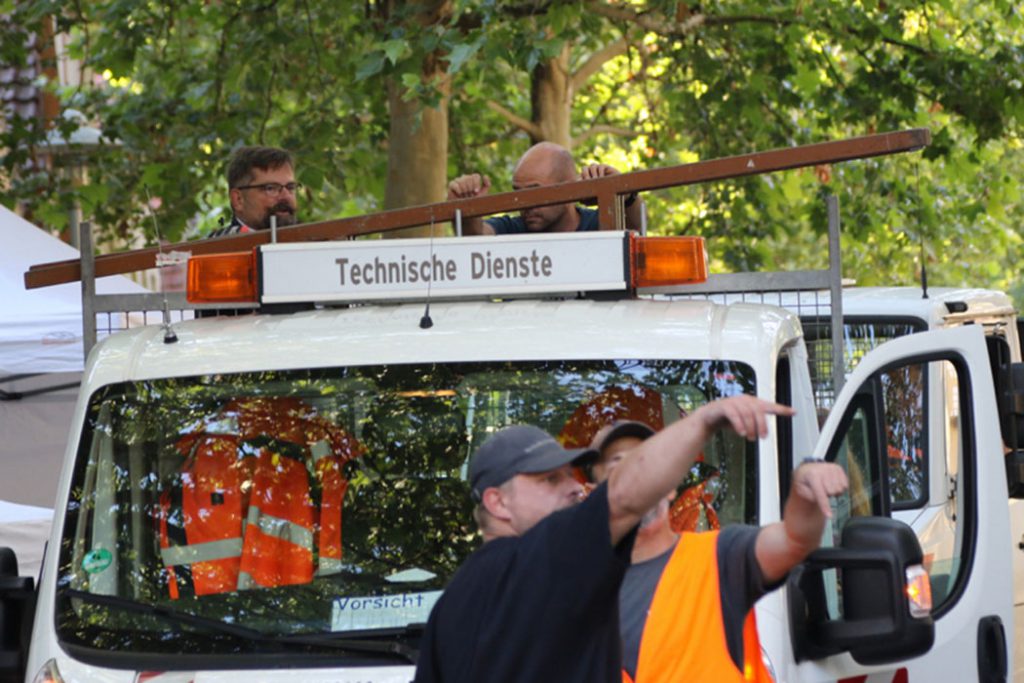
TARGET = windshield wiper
(367,640)
(357,645)
(176,616)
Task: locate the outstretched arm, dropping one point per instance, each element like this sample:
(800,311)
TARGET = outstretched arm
(634,212)
(658,464)
(783,545)
(467,187)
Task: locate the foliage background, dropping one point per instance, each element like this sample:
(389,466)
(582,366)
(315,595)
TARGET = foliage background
(644,84)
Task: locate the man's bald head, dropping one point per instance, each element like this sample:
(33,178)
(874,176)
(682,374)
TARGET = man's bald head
(545,164)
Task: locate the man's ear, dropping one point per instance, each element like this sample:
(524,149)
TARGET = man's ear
(494,502)
(235,197)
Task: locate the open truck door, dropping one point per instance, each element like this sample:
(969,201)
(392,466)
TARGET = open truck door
(851,622)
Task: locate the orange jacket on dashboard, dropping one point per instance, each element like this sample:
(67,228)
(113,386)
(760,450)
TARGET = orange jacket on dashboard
(259,505)
(684,635)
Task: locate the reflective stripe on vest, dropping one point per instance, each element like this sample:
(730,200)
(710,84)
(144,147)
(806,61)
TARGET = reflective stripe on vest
(684,635)
(277,552)
(281,529)
(333,486)
(201,552)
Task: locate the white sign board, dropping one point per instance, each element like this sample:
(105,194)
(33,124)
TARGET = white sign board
(443,267)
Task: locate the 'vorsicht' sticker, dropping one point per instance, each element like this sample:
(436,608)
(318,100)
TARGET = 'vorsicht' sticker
(351,613)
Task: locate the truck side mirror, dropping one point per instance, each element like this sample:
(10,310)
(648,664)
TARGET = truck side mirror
(17,608)
(884,599)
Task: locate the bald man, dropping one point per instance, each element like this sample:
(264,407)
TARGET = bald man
(543,164)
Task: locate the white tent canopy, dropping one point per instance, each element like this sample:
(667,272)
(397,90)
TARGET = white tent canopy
(40,334)
(41,329)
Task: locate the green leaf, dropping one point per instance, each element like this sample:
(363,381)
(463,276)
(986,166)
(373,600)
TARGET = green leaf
(93,195)
(807,79)
(411,81)
(460,54)
(372,65)
(152,175)
(792,187)
(396,49)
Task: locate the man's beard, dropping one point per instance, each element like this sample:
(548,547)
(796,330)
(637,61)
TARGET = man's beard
(287,217)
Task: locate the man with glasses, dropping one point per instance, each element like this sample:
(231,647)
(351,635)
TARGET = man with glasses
(261,184)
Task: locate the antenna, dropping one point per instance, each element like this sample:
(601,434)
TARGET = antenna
(425,322)
(924,272)
(169,336)
(920,234)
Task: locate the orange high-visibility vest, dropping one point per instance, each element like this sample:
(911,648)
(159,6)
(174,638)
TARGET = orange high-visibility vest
(684,635)
(247,511)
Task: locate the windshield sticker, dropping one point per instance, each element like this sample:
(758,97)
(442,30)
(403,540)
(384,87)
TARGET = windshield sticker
(97,560)
(382,611)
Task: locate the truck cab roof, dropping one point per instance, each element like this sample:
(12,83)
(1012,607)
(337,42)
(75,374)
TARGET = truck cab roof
(942,303)
(470,330)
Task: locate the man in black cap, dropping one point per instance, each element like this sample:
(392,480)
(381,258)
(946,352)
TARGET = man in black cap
(670,585)
(538,602)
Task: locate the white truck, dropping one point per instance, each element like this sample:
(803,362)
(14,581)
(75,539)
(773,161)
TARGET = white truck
(281,496)
(925,489)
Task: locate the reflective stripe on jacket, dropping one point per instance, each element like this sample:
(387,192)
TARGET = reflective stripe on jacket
(684,635)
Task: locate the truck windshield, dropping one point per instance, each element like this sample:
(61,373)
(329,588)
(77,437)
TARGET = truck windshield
(303,510)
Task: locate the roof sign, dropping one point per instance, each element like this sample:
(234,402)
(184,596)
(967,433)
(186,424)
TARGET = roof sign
(443,267)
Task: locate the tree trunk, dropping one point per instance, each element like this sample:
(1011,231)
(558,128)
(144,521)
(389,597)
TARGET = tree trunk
(551,98)
(418,138)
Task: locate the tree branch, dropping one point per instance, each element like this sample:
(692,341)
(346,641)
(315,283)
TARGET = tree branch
(269,102)
(658,23)
(655,23)
(469,21)
(597,60)
(314,42)
(529,127)
(604,128)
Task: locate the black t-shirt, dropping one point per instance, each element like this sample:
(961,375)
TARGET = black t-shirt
(740,584)
(539,607)
(515,225)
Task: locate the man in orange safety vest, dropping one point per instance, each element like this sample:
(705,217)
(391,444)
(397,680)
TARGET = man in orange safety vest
(686,603)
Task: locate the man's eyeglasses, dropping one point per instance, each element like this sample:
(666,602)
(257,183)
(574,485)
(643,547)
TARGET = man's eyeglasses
(271,189)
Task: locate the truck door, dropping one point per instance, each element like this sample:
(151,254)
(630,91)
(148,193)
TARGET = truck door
(878,431)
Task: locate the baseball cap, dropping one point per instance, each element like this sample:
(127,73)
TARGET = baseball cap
(519,449)
(613,432)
